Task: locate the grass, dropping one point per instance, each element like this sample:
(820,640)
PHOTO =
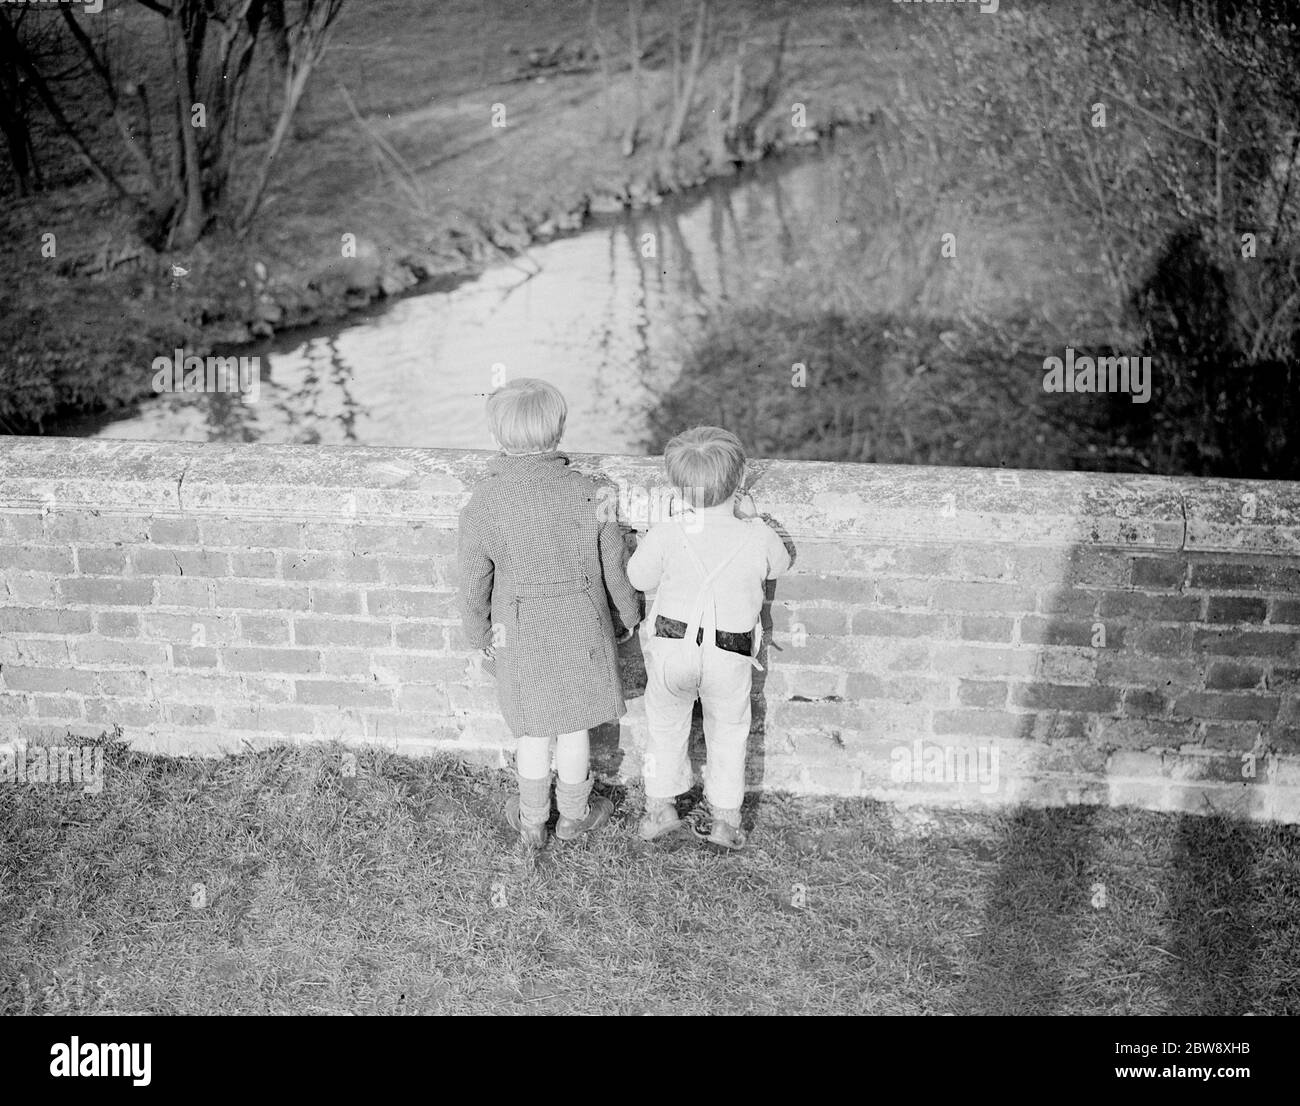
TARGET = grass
(401,891)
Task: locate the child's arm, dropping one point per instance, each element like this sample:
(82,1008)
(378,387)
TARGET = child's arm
(647,563)
(476,573)
(622,595)
(778,560)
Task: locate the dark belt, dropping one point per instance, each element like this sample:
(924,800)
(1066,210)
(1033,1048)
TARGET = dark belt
(732,643)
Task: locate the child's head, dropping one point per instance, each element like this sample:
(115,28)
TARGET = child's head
(527,415)
(706,458)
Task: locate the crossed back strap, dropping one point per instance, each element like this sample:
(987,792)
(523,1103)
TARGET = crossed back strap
(704,608)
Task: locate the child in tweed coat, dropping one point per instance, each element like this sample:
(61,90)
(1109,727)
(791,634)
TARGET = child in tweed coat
(541,565)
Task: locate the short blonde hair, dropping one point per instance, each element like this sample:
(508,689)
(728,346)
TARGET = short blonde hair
(527,415)
(707,458)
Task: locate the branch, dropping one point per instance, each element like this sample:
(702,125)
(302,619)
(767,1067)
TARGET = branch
(1162,122)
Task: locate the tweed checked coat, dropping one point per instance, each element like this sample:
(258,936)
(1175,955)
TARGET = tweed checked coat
(540,565)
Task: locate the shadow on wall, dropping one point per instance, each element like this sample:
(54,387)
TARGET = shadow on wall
(1221,915)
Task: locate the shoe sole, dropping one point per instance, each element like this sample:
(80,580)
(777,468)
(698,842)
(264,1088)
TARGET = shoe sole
(662,830)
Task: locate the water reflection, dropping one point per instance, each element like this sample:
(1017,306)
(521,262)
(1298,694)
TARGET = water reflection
(604,314)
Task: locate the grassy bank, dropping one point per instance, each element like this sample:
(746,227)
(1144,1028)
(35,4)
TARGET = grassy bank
(417,173)
(401,891)
(993,222)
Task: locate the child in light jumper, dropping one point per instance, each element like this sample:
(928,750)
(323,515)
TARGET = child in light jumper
(710,574)
(541,565)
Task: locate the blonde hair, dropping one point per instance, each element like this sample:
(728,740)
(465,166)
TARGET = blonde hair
(707,458)
(527,415)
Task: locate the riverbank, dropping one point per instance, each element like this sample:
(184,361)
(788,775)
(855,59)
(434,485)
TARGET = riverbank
(397,176)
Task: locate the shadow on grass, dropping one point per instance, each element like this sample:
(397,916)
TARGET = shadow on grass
(1030,927)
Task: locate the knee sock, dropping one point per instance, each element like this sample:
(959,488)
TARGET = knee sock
(572,756)
(571,798)
(535,800)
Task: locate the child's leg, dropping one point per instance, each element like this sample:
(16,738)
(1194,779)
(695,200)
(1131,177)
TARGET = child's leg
(572,756)
(668,730)
(533,766)
(724,692)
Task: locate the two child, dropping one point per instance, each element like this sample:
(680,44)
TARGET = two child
(541,569)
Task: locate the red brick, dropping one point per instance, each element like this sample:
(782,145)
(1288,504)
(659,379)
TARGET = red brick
(1035,630)
(980,662)
(117,624)
(123,712)
(190,714)
(325,566)
(1153,572)
(33,620)
(814,683)
(271,660)
(121,684)
(1247,643)
(19,527)
(982,693)
(218,534)
(236,594)
(1229,676)
(174,531)
(1224,608)
(19,678)
(326,631)
(107,592)
(102,560)
(982,723)
(416,571)
(1091,567)
(1240,738)
(1143,703)
(1259,708)
(984,563)
(187,628)
(176,591)
(1038,565)
(263,629)
(13,705)
(870,623)
(31,591)
(1163,640)
(1150,608)
(55,559)
(260,564)
(420,635)
(343,694)
(1068,601)
(147,653)
(1245,577)
(899,593)
(1096,699)
(966,596)
(826,589)
(1144,733)
(975,627)
(92,527)
(336,600)
(422,604)
(346,662)
(1285,611)
(56,706)
(188,656)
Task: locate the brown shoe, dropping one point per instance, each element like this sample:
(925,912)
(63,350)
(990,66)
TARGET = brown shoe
(598,811)
(530,836)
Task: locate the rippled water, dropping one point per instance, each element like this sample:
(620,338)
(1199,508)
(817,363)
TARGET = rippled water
(593,313)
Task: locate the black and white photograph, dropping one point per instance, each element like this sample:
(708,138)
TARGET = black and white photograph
(650,508)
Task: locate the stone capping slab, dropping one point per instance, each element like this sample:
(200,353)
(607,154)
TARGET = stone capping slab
(812,500)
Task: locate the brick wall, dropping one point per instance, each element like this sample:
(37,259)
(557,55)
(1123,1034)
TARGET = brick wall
(946,635)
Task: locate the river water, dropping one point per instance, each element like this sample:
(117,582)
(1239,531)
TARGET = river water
(604,314)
